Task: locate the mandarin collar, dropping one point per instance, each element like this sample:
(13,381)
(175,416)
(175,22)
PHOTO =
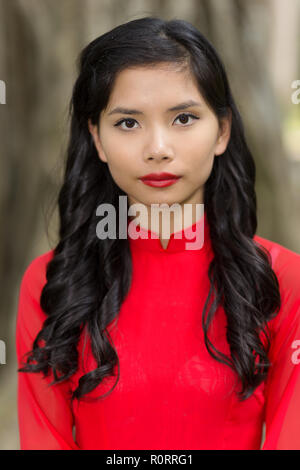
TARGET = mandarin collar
(182,240)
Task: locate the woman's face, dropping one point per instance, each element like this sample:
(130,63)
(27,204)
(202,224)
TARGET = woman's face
(154,139)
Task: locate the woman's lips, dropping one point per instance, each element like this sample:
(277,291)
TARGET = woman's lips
(160,183)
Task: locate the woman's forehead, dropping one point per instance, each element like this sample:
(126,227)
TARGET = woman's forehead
(135,89)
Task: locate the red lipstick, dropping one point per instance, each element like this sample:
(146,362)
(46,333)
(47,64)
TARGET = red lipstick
(159,179)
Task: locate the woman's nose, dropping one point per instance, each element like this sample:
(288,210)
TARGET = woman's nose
(158,157)
(158,147)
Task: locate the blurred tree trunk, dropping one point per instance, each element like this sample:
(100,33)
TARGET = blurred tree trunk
(37,63)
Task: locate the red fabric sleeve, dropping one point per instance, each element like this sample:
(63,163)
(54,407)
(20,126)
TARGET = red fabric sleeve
(44,413)
(282,412)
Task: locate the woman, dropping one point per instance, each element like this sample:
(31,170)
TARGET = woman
(144,341)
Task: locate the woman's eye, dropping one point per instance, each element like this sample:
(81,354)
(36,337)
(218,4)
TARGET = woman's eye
(186,116)
(118,124)
(131,121)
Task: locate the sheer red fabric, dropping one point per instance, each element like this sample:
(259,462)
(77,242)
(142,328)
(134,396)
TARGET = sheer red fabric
(171,393)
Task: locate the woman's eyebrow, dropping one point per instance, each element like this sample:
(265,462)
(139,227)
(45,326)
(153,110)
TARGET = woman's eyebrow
(178,107)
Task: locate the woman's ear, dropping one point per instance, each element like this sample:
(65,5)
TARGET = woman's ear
(95,135)
(224,133)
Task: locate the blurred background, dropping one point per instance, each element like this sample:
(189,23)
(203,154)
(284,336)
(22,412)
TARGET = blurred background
(259,43)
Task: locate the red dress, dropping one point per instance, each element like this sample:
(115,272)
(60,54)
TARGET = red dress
(171,393)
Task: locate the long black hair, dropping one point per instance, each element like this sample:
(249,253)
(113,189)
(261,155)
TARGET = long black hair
(88,278)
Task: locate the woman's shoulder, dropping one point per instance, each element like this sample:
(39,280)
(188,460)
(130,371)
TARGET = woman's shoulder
(282,257)
(34,279)
(35,272)
(286,265)
(30,315)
